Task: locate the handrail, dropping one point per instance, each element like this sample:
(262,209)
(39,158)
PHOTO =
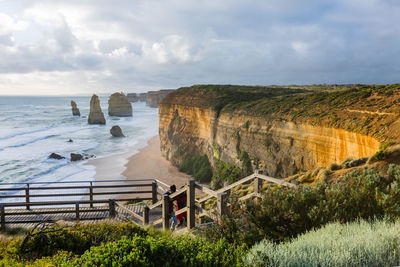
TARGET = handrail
(63,203)
(155,205)
(177,193)
(183,210)
(242,181)
(274,180)
(86,181)
(137,216)
(206,190)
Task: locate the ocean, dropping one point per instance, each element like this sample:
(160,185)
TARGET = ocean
(31,128)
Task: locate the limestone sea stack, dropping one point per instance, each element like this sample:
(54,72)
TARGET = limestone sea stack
(116,131)
(75,109)
(96,116)
(119,105)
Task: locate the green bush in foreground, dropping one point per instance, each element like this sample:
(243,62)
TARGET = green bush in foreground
(162,251)
(352,244)
(75,239)
(115,244)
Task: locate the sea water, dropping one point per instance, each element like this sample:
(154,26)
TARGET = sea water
(31,128)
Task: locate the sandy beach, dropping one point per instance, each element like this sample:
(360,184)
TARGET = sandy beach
(149,163)
(146,164)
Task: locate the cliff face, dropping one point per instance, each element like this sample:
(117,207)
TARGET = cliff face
(282,139)
(154,98)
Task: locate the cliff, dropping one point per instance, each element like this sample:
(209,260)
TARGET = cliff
(152,98)
(118,105)
(134,97)
(281,130)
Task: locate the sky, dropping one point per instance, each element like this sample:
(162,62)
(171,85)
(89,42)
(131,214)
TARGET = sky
(74,47)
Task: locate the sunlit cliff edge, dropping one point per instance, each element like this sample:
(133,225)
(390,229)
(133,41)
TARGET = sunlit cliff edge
(281,130)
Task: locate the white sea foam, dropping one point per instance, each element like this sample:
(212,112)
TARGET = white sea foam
(29,133)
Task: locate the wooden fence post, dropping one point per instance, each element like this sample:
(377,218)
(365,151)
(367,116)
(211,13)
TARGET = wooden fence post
(2,218)
(27,199)
(165,212)
(111,208)
(146,211)
(154,192)
(221,203)
(257,185)
(91,194)
(191,204)
(77,210)
(203,206)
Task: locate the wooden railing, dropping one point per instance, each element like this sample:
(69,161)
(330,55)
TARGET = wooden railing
(88,197)
(220,195)
(92,201)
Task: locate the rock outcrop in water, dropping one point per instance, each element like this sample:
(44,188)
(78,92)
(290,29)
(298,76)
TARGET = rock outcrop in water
(116,131)
(96,116)
(279,130)
(118,105)
(75,109)
(78,157)
(55,156)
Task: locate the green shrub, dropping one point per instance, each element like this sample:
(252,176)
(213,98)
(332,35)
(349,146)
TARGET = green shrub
(163,251)
(226,172)
(75,239)
(199,167)
(283,213)
(334,167)
(353,244)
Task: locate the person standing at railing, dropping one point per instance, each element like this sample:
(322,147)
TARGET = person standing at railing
(172,189)
(181,201)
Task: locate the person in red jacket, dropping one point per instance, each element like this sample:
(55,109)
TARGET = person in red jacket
(174,223)
(181,201)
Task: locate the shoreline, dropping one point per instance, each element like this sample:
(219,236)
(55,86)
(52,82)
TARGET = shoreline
(143,163)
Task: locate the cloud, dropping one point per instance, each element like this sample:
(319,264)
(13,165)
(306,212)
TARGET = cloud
(140,45)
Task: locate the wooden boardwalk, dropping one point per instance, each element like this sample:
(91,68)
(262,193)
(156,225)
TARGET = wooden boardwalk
(30,218)
(99,206)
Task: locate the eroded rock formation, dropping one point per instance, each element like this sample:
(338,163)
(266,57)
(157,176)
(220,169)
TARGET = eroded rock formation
(118,105)
(96,116)
(75,109)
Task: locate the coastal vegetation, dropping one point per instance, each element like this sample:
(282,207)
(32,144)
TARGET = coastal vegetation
(284,213)
(360,243)
(199,167)
(353,219)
